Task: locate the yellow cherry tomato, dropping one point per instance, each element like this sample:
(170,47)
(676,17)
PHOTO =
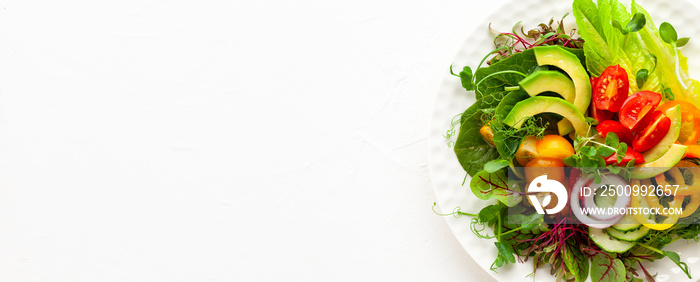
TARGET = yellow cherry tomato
(527,150)
(487,134)
(555,147)
(550,147)
(553,168)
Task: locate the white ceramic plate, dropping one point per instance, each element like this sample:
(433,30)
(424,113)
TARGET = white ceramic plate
(452,99)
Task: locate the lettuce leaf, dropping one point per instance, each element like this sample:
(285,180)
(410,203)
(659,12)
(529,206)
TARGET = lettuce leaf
(606,45)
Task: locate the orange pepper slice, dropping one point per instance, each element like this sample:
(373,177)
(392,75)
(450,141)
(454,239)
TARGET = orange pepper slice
(691,118)
(648,222)
(693,151)
(636,202)
(653,200)
(684,189)
(694,135)
(685,107)
(692,206)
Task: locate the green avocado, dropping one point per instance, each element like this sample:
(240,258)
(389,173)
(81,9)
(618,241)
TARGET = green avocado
(571,65)
(549,81)
(661,165)
(542,104)
(660,149)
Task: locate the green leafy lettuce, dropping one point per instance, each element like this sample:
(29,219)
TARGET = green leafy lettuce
(639,48)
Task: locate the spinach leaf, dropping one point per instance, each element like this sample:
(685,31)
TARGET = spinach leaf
(505,255)
(508,102)
(496,165)
(489,214)
(487,185)
(471,149)
(607,269)
(527,223)
(493,80)
(576,262)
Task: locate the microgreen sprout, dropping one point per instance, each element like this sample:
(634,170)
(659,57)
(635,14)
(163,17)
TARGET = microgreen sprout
(508,43)
(669,35)
(635,24)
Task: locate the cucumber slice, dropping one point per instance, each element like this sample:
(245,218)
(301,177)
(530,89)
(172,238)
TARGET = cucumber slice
(627,223)
(631,236)
(608,243)
(603,201)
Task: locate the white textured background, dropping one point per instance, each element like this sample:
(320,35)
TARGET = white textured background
(224,140)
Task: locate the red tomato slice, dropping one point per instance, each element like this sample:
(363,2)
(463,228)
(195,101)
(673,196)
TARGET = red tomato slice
(637,106)
(652,129)
(631,154)
(600,115)
(611,89)
(623,134)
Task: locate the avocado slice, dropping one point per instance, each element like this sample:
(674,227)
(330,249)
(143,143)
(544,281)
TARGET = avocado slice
(661,165)
(662,147)
(542,104)
(569,63)
(549,81)
(552,81)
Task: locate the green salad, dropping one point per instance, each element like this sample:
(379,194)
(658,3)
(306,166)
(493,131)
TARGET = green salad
(608,103)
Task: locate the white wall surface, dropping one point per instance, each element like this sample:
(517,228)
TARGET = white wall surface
(224,140)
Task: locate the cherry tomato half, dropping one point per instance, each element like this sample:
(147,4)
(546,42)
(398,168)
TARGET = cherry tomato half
(637,106)
(631,154)
(611,89)
(623,134)
(600,115)
(651,130)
